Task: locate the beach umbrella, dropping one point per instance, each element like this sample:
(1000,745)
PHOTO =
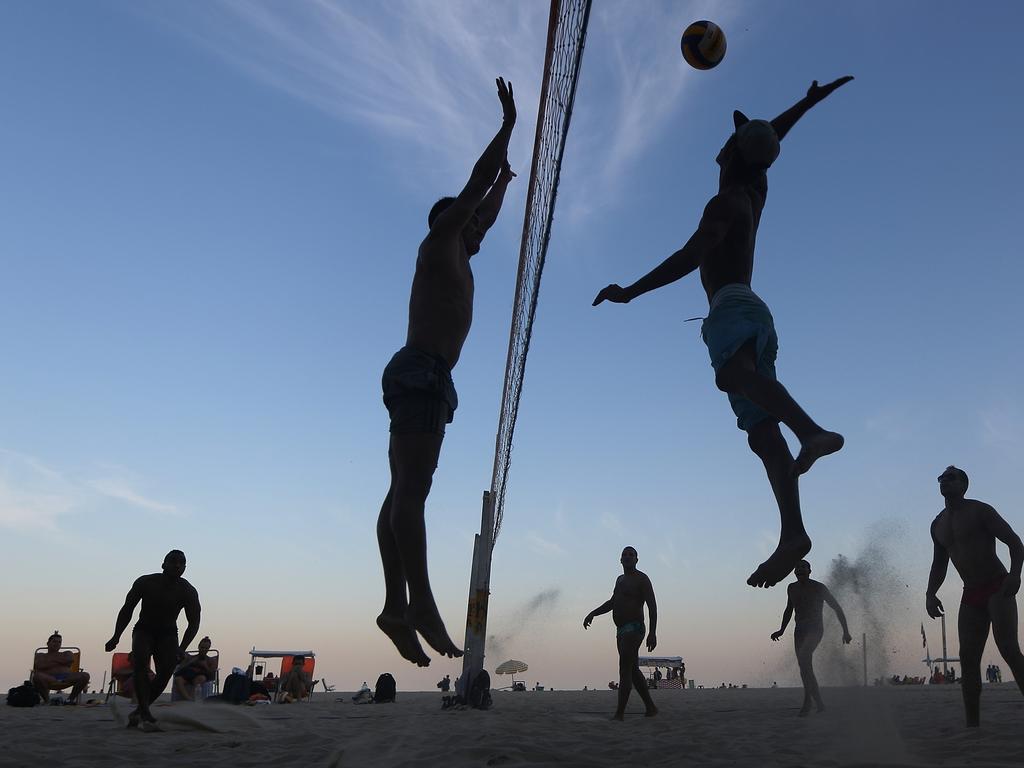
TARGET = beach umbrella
(511,667)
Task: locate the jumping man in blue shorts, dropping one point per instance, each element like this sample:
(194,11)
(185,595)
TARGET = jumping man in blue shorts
(739,330)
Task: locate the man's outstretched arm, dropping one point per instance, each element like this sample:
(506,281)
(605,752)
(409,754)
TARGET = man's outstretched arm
(454,217)
(125,614)
(937,575)
(652,611)
(714,225)
(786,616)
(834,605)
(815,93)
(602,608)
(1001,529)
(490,207)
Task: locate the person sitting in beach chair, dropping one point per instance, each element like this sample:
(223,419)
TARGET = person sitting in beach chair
(198,672)
(121,682)
(296,682)
(55,668)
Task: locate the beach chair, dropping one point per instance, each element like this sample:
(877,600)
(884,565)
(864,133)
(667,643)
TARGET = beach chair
(207,689)
(308,665)
(76,661)
(121,669)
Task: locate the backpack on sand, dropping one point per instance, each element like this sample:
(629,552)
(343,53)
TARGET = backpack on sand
(384,692)
(24,695)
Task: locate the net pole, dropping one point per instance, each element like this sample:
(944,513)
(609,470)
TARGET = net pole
(553,116)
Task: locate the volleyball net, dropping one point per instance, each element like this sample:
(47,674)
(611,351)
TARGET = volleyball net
(567,31)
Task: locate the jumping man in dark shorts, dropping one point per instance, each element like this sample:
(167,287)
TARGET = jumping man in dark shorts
(807,597)
(965,531)
(420,395)
(739,330)
(163,596)
(632,589)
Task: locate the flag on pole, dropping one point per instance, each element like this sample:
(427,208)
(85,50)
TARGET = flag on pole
(924,640)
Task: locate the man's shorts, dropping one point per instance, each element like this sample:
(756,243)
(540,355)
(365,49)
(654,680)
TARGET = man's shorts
(737,315)
(418,392)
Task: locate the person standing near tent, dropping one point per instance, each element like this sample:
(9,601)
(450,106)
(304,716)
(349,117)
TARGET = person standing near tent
(965,531)
(420,395)
(806,597)
(632,589)
(739,330)
(163,596)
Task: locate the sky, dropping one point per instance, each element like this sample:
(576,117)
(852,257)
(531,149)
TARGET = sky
(211,212)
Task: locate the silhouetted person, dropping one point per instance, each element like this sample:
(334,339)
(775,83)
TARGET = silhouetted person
(295,684)
(739,330)
(420,395)
(195,671)
(445,684)
(155,635)
(632,589)
(51,670)
(806,597)
(965,531)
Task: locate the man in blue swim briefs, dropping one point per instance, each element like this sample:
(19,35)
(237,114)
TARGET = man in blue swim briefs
(965,531)
(420,395)
(632,589)
(51,671)
(739,330)
(155,635)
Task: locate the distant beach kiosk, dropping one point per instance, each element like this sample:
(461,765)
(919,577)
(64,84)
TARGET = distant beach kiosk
(675,676)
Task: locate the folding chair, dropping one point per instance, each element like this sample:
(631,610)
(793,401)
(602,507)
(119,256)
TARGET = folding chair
(308,665)
(76,662)
(207,689)
(121,669)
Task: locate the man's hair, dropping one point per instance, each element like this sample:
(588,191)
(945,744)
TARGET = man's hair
(57,634)
(438,209)
(174,552)
(804,562)
(631,549)
(961,474)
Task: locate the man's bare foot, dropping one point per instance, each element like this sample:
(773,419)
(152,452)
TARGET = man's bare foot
(804,711)
(149,726)
(821,444)
(430,625)
(652,711)
(619,716)
(820,708)
(781,563)
(404,638)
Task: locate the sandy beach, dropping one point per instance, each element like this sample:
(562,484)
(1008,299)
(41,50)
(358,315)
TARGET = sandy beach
(915,725)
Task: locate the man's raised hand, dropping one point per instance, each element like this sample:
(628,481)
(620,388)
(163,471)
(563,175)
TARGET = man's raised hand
(818,92)
(506,173)
(508,102)
(613,293)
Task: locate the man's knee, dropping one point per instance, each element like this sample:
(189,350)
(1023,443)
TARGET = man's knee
(413,483)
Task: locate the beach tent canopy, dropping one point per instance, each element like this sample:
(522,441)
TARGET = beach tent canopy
(660,661)
(279,654)
(511,667)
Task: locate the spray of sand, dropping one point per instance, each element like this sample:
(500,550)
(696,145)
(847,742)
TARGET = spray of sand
(514,625)
(873,593)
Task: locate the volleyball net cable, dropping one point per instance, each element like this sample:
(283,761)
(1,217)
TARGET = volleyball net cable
(567,31)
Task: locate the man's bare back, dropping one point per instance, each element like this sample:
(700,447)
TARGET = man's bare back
(628,598)
(967,537)
(731,260)
(441,301)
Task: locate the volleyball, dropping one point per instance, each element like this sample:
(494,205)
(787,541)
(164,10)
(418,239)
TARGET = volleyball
(703,45)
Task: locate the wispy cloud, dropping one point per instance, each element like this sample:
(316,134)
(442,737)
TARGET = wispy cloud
(544,546)
(34,496)
(1001,423)
(421,73)
(118,488)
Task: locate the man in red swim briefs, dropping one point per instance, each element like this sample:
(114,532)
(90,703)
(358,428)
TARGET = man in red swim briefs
(965,531)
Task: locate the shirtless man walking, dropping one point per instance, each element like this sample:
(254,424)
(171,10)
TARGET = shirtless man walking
(807,598)
(420,395)
(632,589)
(739,330)
(163,596)
(965,531)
